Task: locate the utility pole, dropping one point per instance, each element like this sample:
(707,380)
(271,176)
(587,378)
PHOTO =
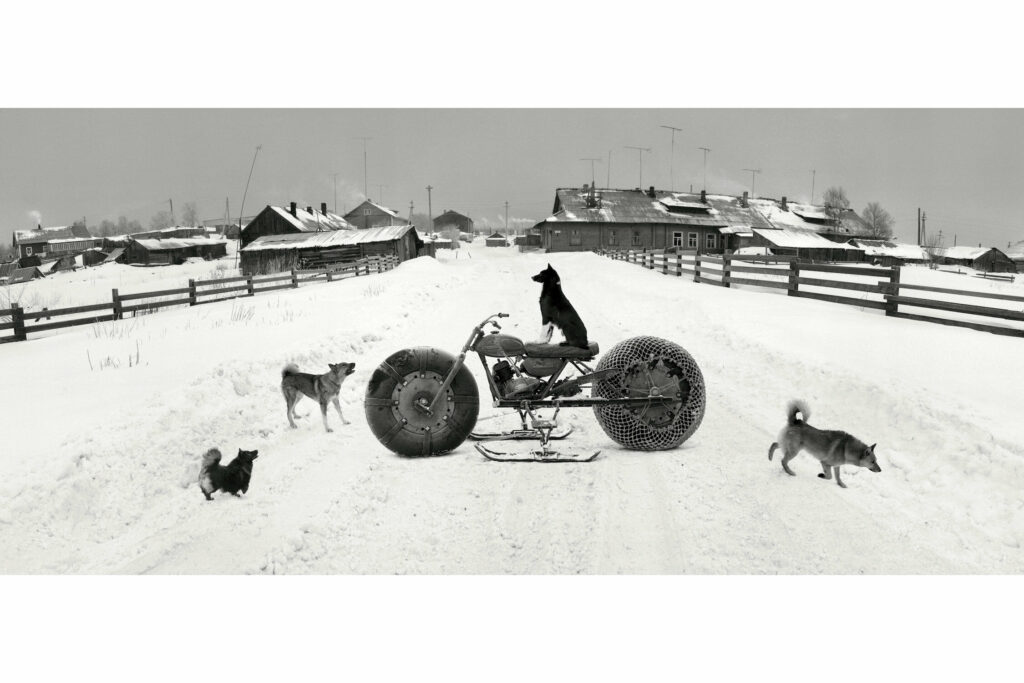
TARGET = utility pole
(410,212)
(241,210)
(753,173)
(920,242)
(227,214)
(335,176)
(671,161)
(430,209)
(608,182)
(506,219)
(592,161)
(707,150)
(924,225)
(366,192)
(641,150)
(172,210)
(380,193)
(813,174)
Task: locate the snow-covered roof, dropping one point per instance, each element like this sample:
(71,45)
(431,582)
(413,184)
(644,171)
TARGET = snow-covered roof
(313,221)
(963,252)
(51,234)
(792,238)
(911,252)
(329,238)
(177,243)
(1016,251)
(808,217)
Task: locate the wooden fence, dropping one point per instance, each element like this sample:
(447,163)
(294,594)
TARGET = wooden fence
(879,288)
(23,322)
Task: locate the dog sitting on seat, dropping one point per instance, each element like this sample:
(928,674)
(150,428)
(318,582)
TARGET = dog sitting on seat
(556,311)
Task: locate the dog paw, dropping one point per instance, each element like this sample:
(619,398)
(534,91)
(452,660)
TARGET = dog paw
(329,430)
(822,476)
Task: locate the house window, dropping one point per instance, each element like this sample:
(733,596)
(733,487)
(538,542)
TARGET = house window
(366,212)
(28,251)
(691,240)
(636,238)
(677,239)
(575,239)
(612,239)
(709,241)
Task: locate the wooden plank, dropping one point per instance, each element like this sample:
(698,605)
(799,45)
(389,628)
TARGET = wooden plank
(994,329)
(863,303)
(771,258)
(156,304)
(34,315)
(6,326)
(759,283)
(957,308)
(4,340)
(225,290)
(205,283)
(69,323)
(762,270)
(837,284)
(260,290)
(707,281)
(712,259)
(163,292)
(847,270)
(961,292)
(6,311)
(687,271)
(275,278)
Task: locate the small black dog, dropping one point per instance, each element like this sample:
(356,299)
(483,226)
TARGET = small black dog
(232,478)
(555,309)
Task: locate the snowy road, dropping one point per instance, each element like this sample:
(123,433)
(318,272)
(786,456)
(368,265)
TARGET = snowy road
(102,478)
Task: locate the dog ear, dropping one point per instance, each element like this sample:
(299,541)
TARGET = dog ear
(871,448)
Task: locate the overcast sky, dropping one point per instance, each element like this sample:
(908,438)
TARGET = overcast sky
(965,168)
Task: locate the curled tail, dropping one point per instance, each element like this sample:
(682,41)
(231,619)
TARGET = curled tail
(289,369)
(797,406)
(210,458)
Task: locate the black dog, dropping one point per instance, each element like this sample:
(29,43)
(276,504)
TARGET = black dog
(232,478)
(555,309)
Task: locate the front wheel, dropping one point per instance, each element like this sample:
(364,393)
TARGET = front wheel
(399,392)
(650,367)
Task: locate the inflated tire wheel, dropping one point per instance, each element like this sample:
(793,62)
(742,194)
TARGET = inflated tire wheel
(400,388)
(651,366)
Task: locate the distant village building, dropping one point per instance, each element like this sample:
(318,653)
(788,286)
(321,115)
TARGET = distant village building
(496,239)
(988,259)
(150,252)
(1015,252)
(25,274)
(890,252)
(277,253)
(453,220)
(792,215)
(276,220)
(372,215)
(54,241)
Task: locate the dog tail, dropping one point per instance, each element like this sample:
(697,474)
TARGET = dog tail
(798,406)
(210,458)
(289,369)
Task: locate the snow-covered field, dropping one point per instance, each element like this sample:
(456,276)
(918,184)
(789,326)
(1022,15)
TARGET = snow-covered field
(105,425)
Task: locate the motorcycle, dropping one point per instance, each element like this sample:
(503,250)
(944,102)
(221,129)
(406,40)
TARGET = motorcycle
(647,394)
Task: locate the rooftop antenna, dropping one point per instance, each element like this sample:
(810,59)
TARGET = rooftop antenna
(241,210)
(641,150)
(366,192)
(813,173)
(335,176)
(707,150)
(592,160)
(380,193)
(671,161)
(608,183)
(753,174)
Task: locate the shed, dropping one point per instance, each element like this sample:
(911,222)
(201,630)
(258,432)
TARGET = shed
(891,253)
(94,256)
(988,259)
(276,253)
(25,274)
(171,251)
(806,244)
(6,270)
(276,220)
(496,239)
(1015,252)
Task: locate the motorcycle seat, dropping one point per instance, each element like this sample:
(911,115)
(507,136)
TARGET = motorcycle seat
(557,351)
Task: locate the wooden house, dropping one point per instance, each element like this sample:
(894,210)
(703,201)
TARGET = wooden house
(277,253)
(94,256)
(784,214)
(53,242)
(372,215)
(987,259)
(1015,252)
(172,251)
(453,220)
(805,244)
(496,239)
(890,253)
(276,220)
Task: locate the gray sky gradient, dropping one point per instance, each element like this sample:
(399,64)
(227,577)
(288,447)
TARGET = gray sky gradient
(964,167)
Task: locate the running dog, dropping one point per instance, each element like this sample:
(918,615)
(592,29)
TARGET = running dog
(231,478)
(831,448)
(321,388)
(556,311)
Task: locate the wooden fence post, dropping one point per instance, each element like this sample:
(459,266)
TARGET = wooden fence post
(726,269)
(679,265)
(249,284)
(664,264)
(118,307)
(18,318)
(696,267)
(330,274)
(891,307)
(192,299)
(794,274)
(295,279)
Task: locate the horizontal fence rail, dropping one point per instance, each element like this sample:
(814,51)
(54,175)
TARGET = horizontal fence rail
(21,322)
(799,279)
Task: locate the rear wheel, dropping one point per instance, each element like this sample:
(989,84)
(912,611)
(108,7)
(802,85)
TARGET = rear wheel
(650,368)
(398,396)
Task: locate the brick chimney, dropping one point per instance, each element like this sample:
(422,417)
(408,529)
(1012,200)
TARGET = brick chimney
(323,208)
(743,202)
(784,206)
(650,192)
(292,208)
(703,197)
(309,209)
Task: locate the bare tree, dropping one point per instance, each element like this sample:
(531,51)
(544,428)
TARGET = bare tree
(162,219)
(190,215)
(879,221)
(836,204)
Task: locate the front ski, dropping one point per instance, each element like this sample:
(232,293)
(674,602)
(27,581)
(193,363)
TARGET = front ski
(521,435)
(536,455)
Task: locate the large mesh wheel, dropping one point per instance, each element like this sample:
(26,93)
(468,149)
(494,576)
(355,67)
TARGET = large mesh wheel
(409,380)
(651,366)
